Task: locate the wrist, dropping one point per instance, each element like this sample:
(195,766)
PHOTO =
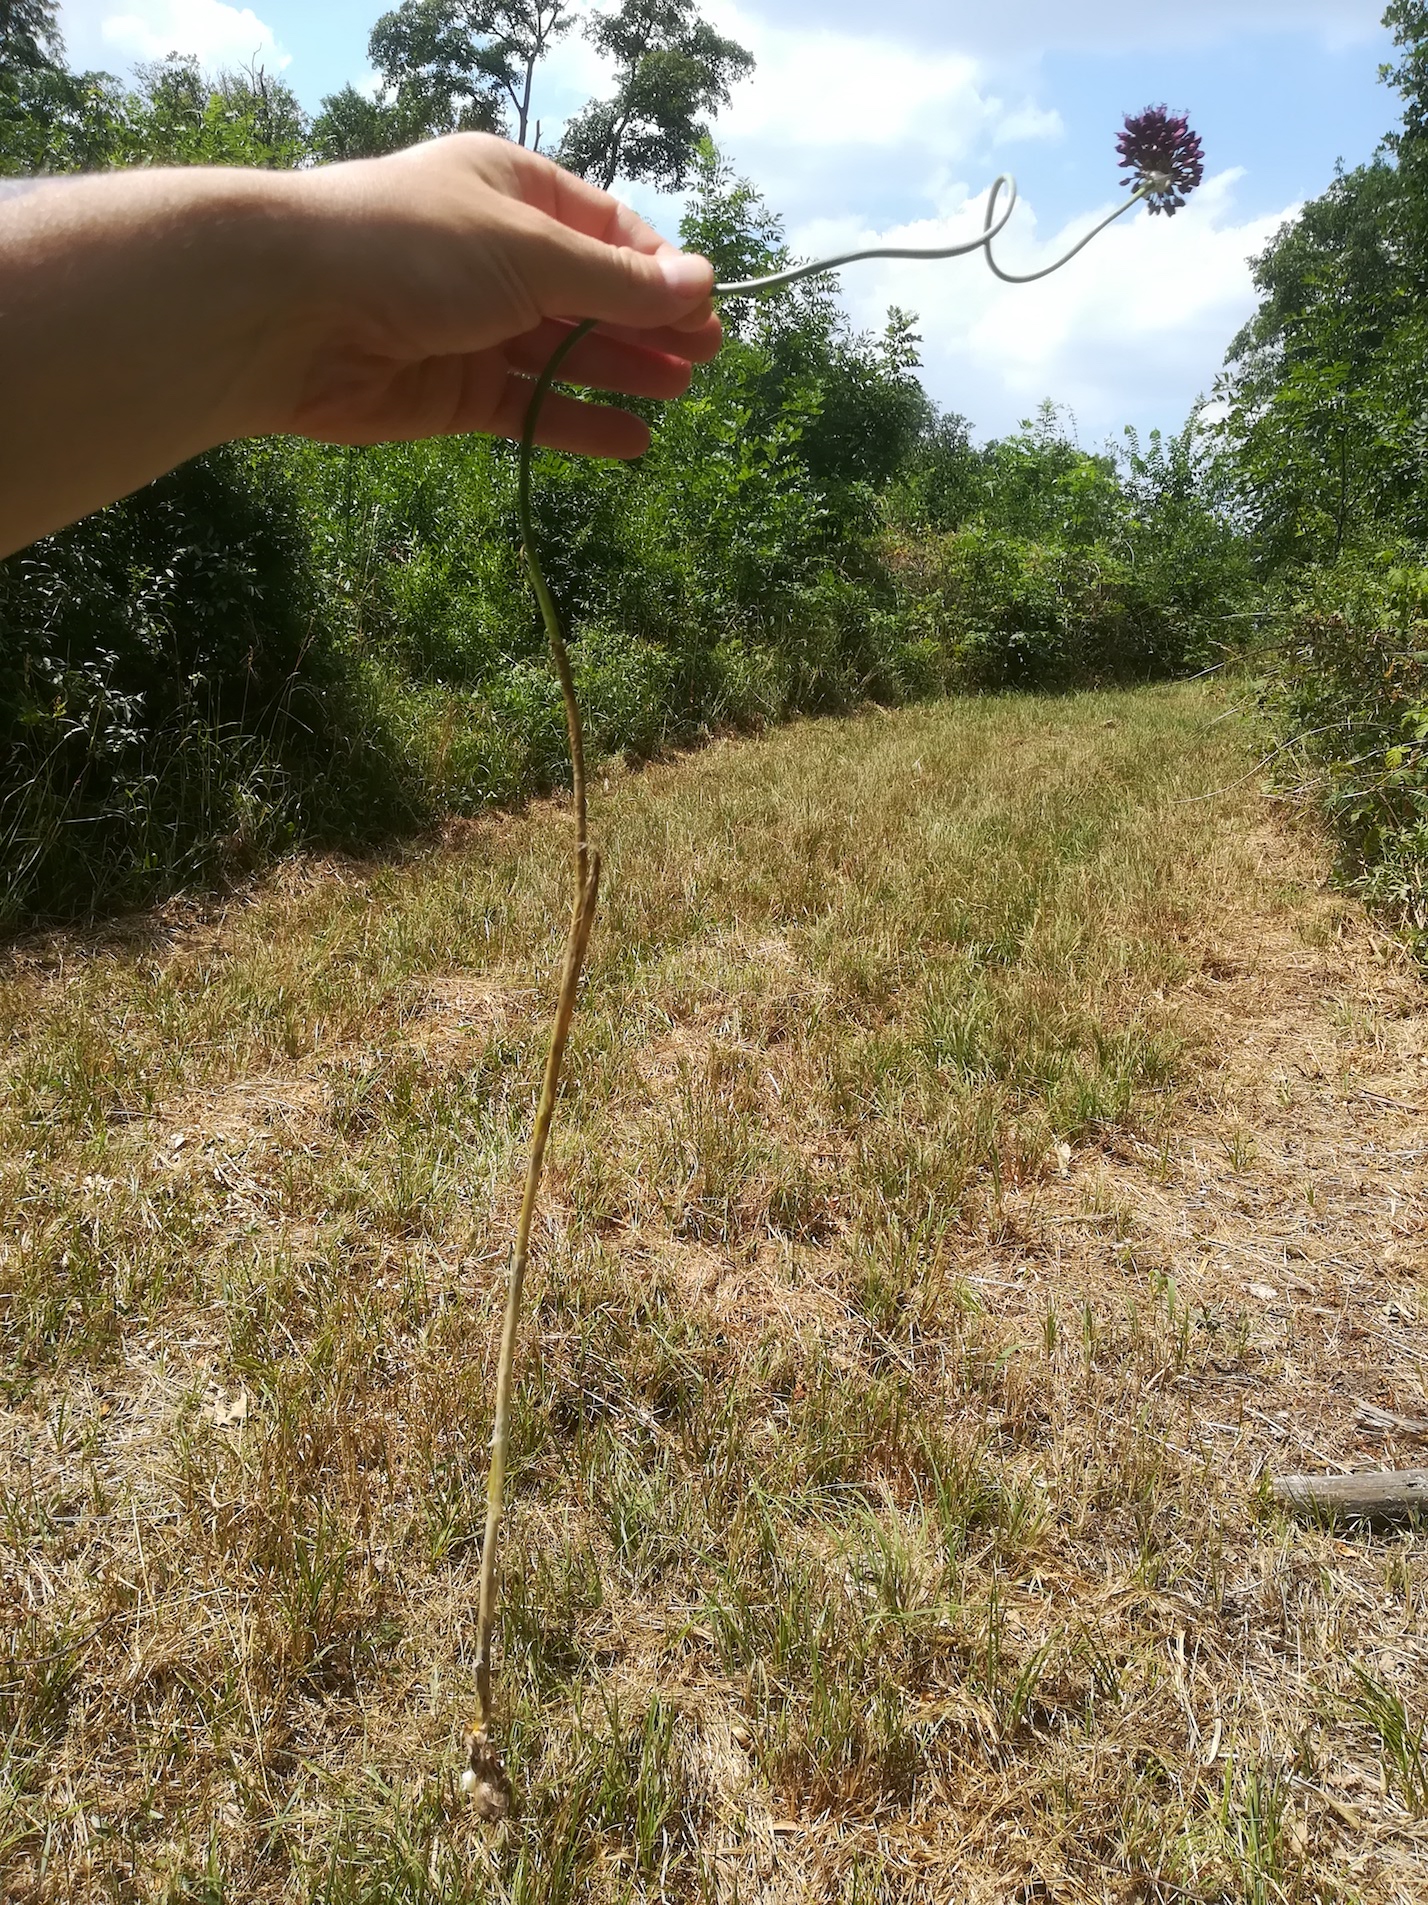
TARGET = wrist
(248,296)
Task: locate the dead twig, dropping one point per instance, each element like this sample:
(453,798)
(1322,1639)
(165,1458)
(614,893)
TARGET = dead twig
(1368,1416)
(1384,1496)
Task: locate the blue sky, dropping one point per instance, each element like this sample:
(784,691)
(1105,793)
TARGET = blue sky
(865,124)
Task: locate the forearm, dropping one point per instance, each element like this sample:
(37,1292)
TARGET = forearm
(144,316)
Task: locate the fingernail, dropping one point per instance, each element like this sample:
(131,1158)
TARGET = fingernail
(686,273)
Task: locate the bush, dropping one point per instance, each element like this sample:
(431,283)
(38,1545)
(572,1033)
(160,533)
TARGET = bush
(169,705)
(1032,562)
(1008,613)
(1349,686)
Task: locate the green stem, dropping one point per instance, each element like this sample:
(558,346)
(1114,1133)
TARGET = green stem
(993,227)
(582,919)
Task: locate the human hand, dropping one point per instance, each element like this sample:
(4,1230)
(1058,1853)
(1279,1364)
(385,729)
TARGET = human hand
(439,280)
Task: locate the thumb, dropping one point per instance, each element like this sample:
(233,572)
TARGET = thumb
(572,275)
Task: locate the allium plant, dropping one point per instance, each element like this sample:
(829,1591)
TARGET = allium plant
(1164,162)
(1163,158)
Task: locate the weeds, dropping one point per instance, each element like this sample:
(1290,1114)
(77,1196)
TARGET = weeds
(1402,1741)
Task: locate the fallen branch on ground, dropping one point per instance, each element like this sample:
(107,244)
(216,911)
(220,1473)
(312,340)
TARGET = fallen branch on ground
(1382,1496)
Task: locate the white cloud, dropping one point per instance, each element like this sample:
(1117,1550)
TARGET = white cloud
(216,34)
(1011,30)
(1131,332)
(863,119)
(816,90)
(823,89)
(1028,122)
(1012,25)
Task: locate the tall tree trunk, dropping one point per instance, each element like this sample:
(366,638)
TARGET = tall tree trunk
(524,109)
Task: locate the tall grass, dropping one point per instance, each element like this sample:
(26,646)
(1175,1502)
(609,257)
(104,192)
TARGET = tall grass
(1345,677)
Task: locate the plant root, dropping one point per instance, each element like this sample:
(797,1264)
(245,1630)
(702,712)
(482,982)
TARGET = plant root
(485,1782)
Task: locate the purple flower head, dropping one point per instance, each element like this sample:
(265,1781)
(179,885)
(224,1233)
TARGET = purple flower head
(1161,153)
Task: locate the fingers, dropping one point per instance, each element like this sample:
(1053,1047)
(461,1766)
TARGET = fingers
(606,363)
(571,201)
(586,429)
(573,250)
(584,208)
(590,255)
(697,345)
(571,276)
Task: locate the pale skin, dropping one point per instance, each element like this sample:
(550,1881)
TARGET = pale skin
(148,315)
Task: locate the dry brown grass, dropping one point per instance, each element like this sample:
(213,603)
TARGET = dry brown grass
(991,1150)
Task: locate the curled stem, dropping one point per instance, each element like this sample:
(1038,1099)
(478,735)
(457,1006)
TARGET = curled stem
(993,226)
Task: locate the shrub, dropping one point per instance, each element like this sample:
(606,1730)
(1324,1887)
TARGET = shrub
(166,693)
(1349,686)
(1012,613)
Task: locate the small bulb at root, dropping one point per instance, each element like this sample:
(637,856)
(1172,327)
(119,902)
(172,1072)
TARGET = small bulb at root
(485,1781)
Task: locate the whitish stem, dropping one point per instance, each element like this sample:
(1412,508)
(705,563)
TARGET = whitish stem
(992,227)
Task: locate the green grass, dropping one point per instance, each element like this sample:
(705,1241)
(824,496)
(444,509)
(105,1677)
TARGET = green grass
(822,1564)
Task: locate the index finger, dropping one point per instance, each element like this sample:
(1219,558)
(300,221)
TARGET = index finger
(575,202)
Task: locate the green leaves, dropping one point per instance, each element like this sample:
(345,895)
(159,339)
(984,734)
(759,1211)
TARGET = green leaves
(30,39)
(454,65)
(1327,385)
(444,64)
(173,114)
(1349,685)
(671,67)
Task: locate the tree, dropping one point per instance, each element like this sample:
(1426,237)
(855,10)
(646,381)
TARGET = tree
(30,39)
(940,484)
(852,400)
(1326,388)
(51,120)
(353,126)
(727,222)
(456,65)
(526,30)
(1039,483)
(446,66)
(441,69)
(176,115)
(173,114)
(1408,20)
(671,67)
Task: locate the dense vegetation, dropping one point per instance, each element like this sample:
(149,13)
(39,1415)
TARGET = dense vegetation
(1327,443)
(284,641)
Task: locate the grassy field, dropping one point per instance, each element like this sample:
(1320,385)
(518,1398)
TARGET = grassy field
(990,1150)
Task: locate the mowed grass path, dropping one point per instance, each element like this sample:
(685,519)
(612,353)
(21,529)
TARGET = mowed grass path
(862,1543)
